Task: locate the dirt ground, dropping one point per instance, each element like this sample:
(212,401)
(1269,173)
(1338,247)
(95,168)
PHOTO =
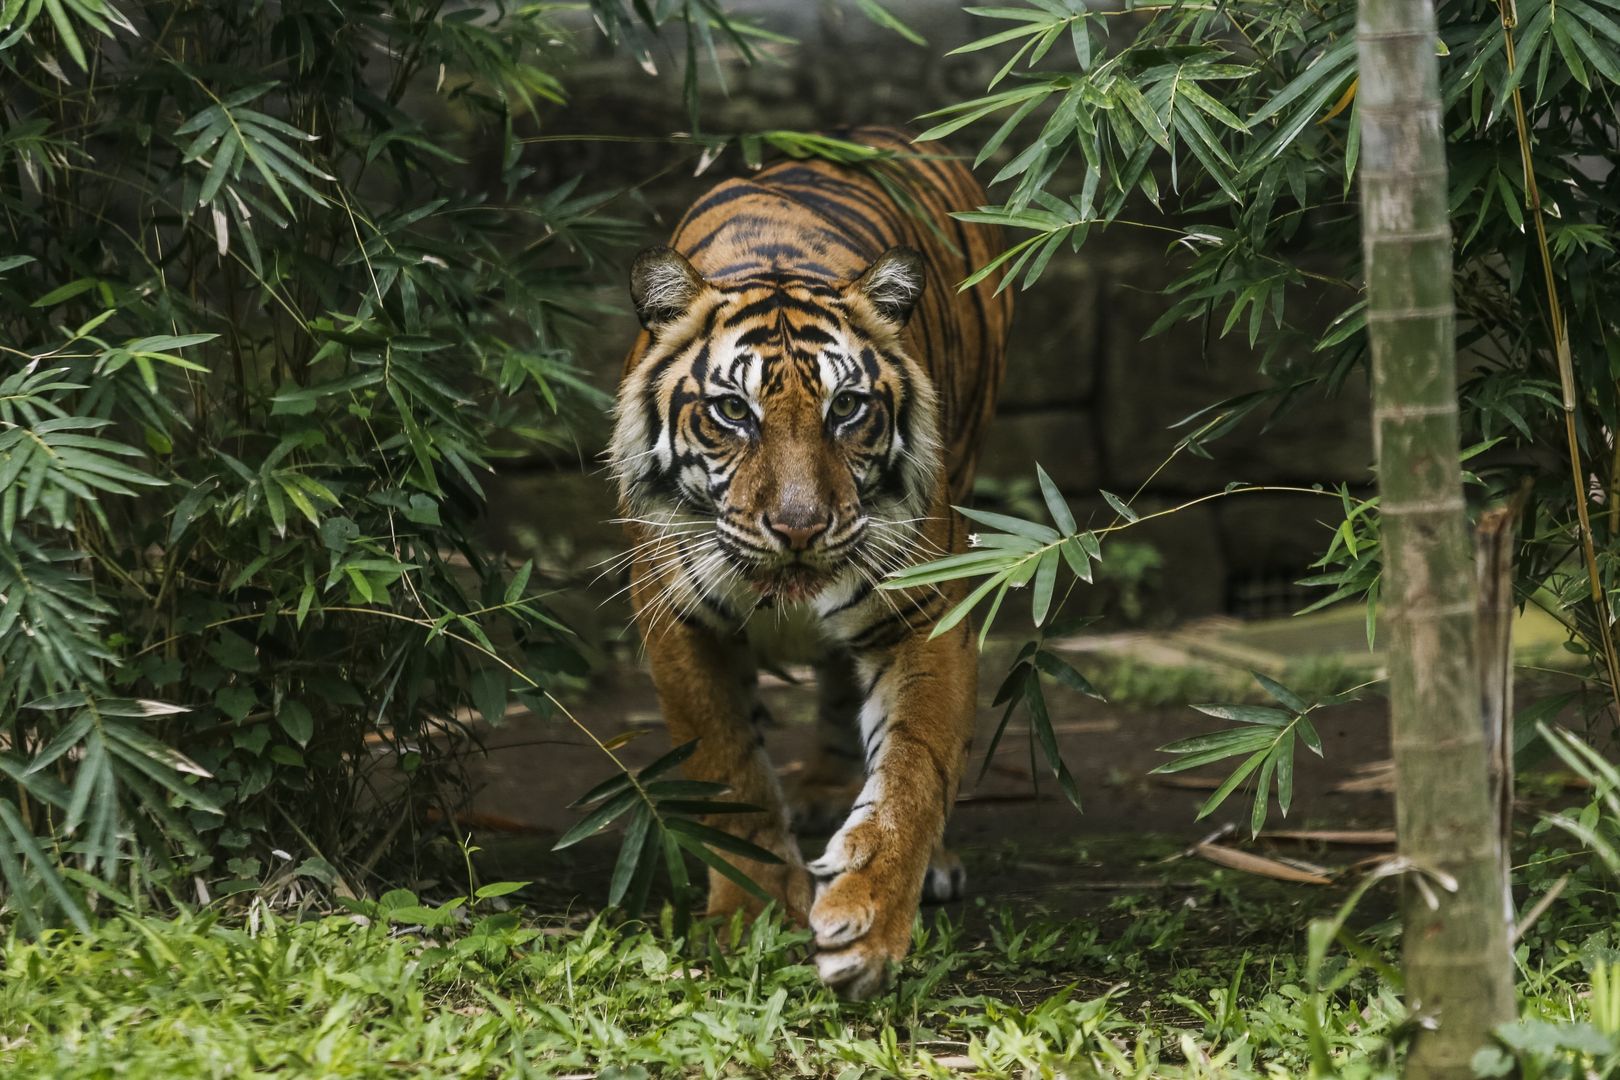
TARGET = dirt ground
(1025,847)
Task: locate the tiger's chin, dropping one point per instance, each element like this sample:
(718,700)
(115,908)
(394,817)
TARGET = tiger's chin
(794,583)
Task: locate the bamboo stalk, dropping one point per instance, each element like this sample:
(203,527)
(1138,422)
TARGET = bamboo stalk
(1454,941)
(1493,553)
(1566,366)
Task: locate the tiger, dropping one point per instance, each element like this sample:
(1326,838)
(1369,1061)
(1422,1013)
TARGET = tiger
(796,419)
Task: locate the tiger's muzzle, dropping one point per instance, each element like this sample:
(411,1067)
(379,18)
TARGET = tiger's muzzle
(808,552)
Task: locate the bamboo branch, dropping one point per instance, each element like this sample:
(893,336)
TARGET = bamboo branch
(1493,553)
(1566,366)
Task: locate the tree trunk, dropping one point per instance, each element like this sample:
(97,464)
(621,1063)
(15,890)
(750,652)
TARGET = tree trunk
(1456,959)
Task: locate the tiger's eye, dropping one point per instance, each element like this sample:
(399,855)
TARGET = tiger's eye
(845,404)
(733,407)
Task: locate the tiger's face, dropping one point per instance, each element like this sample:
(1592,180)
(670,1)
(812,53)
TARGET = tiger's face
(774,434)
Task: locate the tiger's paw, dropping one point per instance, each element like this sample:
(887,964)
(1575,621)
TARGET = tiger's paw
(946,880)
(860,939)
(862,916)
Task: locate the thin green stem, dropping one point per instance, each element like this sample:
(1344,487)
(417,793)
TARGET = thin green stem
(1603,615)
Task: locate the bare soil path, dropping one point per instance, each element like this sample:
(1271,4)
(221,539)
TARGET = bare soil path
(1022,846)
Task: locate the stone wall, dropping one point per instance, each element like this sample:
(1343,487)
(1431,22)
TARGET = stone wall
(1085,395)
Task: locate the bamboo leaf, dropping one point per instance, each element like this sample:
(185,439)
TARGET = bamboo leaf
(1120,507)
(1065,673)
(718,864)
(1055,504)
(1246,742)
(1281,692)
(22,895)
(1045,580)
(684,789)
(707,836)
(1262,795)
(1248,714)
(886,19)
(1017,526)
(1075,556)
(1230,784)
(635,838)
(1040,723)
(705,806)
(961,610)
(598,819)
(668,761)
(1285,772)
(44,867)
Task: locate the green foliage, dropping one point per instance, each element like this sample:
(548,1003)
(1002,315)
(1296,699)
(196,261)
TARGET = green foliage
(705,25)
(663,822)
(1597,825)
(278,290)
(1016,554)
(1265,740)
(271,306)
(637,26)
(1192,979)
(1231,129)
(1027,553)
(1568,937)
(1011,553)
(395,985)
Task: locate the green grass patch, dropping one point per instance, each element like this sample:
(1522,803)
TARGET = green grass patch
(1138,990)
(1199,976)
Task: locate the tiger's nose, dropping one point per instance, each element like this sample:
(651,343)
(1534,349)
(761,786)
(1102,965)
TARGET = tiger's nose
(797,532)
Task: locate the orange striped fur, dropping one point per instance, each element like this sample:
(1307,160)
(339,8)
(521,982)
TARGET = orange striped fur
(804,406)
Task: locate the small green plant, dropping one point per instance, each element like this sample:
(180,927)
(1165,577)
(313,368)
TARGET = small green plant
(1568,1029)
(663,828)
(1010,553)
(1265,739)
(1597,824)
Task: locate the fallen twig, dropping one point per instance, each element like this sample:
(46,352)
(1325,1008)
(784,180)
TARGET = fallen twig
(1358,837)
(1250,863)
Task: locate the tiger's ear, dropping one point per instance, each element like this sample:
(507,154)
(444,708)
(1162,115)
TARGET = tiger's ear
(662,286)
(893,283)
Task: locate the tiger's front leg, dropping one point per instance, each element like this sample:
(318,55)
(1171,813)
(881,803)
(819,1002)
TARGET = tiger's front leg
(705,686)
(916,722)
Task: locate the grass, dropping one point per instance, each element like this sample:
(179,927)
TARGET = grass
(1197,979)
(1200,973)
(1132,683)
(347,996)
